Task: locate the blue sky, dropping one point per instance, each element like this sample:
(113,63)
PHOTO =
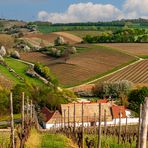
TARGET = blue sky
(64,11)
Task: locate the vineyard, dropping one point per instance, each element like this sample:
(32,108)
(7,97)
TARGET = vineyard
(81,66)
(136,73)
(138,49)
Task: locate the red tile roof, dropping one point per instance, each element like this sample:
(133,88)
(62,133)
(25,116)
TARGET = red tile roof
(116,110)
(102,101)
(47,114)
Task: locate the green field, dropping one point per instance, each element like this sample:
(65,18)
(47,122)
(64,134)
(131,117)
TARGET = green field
(110,142)
(45,140)
(4,139)
(20,68)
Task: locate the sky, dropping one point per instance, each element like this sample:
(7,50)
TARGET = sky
(64,11)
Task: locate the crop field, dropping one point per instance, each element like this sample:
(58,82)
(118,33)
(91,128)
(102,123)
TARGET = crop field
(136,73)
(84,33)
(138,49)
(47,39)
(82,66)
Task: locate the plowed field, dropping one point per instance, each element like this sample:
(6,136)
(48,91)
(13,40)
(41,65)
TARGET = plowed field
(83,66)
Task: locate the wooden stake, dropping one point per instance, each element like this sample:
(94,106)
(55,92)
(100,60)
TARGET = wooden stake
(126,126)
(99,128)
(31,111)
(82,125)
(143,135)
(139,127)
(64,118)
(68,116)
(105,125)
(119,135)
(74,118)
(12,122)
(23,111)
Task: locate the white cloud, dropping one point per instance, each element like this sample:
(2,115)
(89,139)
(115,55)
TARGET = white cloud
(83,12)
(90,12)
(136,8)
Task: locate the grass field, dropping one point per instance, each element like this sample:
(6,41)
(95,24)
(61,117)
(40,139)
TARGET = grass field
(4,139)
(45,140)
(84,33)
(20,68)
(111,142)
(82,66)
(138,49)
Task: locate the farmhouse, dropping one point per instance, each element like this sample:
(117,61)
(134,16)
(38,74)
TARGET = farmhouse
(72,113)
(50,118)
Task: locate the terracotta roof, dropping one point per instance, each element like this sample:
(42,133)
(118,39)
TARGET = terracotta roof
(116,110)
(47,114)
(102,101)
(90,111)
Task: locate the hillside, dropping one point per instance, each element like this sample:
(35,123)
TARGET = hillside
(90,62)
(20,69)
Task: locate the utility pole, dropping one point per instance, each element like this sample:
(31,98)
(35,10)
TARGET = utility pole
(12,122)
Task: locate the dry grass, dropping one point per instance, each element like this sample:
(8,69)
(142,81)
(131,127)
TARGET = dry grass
(6,40)
(34,140)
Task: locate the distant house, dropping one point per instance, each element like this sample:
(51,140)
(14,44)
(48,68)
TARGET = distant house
(55,119)
(91,113)
(84,90)
(51,118)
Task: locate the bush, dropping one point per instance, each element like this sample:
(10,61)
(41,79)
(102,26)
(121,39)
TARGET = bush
(45,72)
(137,97)
(59,41)
(15,55)
(2,51)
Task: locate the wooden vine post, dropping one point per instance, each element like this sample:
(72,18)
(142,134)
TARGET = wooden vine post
(99,128)
(119,134)
(23,113)
(68,117)
(12,122)
(74,118)
(82,124)
(139,127)
(64,118)
(144,125)
(105,123)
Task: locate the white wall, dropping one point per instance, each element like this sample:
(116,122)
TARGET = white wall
(113,122)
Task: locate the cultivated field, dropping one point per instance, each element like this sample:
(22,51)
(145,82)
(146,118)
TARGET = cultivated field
(83,66)
(136,73)
(84,33)
(47,39)
(138,49)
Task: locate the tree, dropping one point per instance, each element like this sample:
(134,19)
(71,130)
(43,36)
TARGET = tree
(137,97)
